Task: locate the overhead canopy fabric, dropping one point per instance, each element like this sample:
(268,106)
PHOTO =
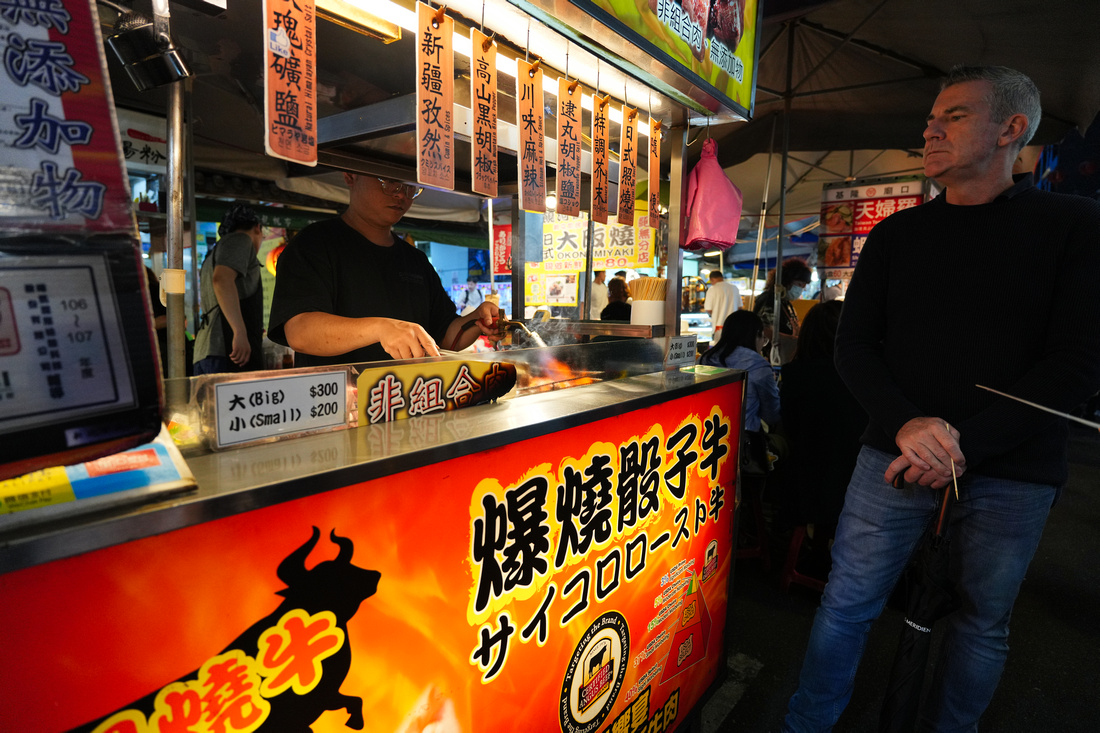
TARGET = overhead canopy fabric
(864,73)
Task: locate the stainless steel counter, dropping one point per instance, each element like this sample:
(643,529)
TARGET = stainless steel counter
(236,481)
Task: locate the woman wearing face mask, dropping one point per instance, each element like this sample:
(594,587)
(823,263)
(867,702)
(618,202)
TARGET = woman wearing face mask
(795,276)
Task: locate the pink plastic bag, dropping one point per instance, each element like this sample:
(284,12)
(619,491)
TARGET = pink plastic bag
(713,205)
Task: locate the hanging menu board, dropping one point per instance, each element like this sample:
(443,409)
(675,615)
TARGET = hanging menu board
(435,99)
(628,165)
(483,102)
(654,207)
(569,147)
(532,144)
(290,81)
(599,159)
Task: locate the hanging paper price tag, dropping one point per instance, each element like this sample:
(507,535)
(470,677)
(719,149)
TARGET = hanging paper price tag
(569,147)
(531,123)
(654,208)
(434,98)
(483,104)
(290,81)
(628,165)
(599,159)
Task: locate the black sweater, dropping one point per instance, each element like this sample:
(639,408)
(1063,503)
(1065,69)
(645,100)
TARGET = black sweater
(1002,294)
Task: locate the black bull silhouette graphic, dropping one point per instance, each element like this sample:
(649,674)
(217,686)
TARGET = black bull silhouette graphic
(332,585)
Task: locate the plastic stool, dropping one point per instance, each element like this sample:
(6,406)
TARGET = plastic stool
(790,569)
(760,548)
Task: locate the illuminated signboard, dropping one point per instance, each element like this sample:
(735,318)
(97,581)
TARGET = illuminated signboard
(712,44)
(573,581)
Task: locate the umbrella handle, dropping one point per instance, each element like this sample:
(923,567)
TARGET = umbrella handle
(945,507)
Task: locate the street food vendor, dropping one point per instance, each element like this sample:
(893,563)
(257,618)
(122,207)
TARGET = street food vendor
(348,290)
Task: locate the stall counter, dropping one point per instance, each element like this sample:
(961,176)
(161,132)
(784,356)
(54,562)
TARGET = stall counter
(555,561)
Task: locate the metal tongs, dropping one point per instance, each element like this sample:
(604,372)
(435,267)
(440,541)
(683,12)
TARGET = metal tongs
(506,325)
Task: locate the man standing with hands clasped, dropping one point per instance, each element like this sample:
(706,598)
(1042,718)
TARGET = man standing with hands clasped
(348,290)
(922,326)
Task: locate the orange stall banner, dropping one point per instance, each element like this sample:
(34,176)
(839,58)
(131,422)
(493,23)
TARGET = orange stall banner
(576,580)
(569,147)
(628,165)
(599,158)
(483,105)
(531,122)
(654,209)
(435,164)
(290,80)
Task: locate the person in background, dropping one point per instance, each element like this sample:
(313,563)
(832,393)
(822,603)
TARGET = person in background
(930,426)
(230,337)
(823,423)
(795,276)
(471,297)
(349,290)
(618,309)
(739,348)
(160,318)
(599,293)
(722,299)
(831,293)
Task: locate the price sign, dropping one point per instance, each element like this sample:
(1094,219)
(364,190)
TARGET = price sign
(246,411)
(681,351)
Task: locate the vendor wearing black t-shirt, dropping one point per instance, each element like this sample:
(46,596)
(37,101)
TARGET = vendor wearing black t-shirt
(348,290)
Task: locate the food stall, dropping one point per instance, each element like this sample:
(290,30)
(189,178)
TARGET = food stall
(523,539)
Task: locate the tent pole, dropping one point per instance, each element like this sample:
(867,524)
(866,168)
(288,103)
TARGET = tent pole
(777,284)
(760,222)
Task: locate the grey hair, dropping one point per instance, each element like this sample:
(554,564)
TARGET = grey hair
(1013,93)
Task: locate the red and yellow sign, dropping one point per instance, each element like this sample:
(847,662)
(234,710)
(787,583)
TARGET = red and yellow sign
(628,165)
(435,82)
(396,392)
(290,80)
(483,107)
(532,144)
(849,210)
(599,158)
(548,584)
(569,147)
(502,249)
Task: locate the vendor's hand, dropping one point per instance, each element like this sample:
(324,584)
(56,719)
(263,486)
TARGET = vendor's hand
(405,340)
(928,448)
(488,317)
(242,350)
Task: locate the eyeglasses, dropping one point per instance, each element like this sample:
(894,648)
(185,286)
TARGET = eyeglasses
(395,188)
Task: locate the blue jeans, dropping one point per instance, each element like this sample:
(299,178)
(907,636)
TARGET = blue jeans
(995,530)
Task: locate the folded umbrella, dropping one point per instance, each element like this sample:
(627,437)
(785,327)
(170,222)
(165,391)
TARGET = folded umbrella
(931,596)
